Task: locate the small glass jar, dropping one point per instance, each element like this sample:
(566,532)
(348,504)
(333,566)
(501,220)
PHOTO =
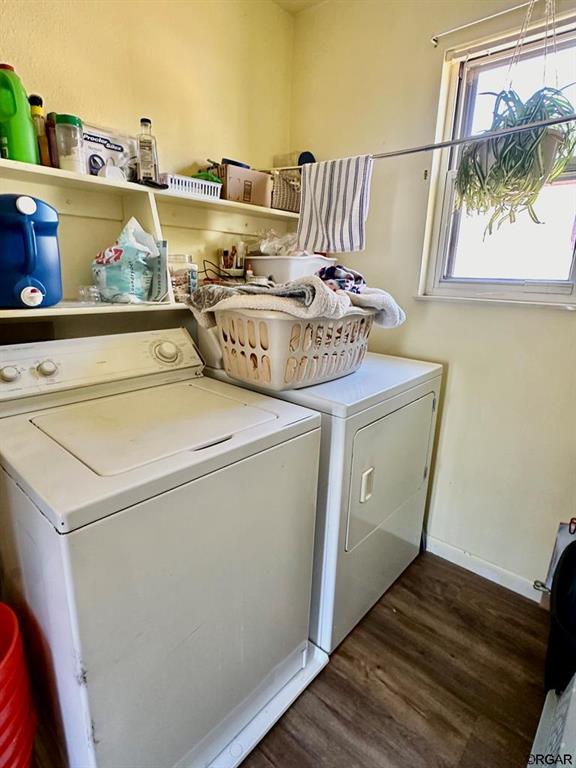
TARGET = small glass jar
(181,268)
(70,140)
(193,277)
(89,294)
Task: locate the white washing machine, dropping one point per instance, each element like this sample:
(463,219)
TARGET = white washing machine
(377,437)
(157,547)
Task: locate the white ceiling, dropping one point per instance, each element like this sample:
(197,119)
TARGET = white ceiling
(295,6)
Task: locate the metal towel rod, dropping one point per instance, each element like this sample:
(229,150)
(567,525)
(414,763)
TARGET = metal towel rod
(465,139)
(434,39)
(480,137)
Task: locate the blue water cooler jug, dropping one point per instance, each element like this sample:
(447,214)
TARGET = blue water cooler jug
(29,253)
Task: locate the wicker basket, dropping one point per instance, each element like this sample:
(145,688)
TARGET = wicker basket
(277,351)
(287,189)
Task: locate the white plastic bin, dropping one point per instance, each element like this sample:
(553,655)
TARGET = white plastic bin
(276,351)
(186,186)
(283,269)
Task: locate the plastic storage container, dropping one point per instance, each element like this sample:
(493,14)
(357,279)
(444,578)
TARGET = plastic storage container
(276,351)
(283,269)
(70,139)
(183,276)
(189,187)
(29,253)
(17,131)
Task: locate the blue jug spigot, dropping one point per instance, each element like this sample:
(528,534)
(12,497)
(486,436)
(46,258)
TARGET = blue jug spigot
(29,292)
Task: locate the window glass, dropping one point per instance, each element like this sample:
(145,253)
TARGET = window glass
(527,76)
(522,250)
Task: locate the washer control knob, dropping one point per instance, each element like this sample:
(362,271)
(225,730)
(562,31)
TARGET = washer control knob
(31,297)
(47,368)
(9,373)
(167,352)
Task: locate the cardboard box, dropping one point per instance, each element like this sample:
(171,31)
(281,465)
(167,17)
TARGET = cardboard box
(244,185)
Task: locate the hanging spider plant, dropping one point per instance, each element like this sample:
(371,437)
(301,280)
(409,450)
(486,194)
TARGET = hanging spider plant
(504,176)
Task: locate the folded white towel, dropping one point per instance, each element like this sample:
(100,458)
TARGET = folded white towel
(326,303)
(322,301)
(389,313)
(334,206)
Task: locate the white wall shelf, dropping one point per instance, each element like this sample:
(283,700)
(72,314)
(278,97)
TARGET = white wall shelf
(93,210)
(77,308)
(12,170)
(227,206)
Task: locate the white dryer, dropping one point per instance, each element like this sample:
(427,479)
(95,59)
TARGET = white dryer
(157,547)
(377,437)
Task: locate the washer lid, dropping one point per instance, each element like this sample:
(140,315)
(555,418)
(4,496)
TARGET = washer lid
(117,434)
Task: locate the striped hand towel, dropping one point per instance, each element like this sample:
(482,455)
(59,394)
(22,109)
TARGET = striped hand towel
(335,199)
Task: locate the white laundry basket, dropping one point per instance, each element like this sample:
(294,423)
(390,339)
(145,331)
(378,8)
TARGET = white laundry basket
(277,351)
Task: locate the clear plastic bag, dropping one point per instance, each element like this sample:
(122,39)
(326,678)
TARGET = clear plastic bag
(274,245)
(123,272)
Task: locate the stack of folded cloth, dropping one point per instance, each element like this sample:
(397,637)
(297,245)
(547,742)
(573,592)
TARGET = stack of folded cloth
(330,294)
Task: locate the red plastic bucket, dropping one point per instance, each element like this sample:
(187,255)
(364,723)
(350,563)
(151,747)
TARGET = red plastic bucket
(11,656)
(13,715)
(24,760)
(17,717)
(17,682)
(16,662)
(16,655)
(21,743)
(10,643)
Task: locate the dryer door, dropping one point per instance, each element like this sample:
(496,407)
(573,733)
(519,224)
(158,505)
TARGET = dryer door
(389,459)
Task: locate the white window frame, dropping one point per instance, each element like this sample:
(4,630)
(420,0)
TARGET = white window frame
(440,201)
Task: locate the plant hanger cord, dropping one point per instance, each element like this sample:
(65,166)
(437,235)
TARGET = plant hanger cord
(504,176)
(546,37)
(551,21)
(549,32)
(520,41)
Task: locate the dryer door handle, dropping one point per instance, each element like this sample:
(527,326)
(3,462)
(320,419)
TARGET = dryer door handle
(367,485)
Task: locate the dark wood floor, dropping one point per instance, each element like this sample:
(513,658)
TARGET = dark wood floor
(445,671)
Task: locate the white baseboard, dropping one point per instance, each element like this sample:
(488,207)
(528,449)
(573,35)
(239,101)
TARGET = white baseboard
(482,567)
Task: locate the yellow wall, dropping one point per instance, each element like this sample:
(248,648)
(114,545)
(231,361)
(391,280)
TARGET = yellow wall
(367,80)
(213,75)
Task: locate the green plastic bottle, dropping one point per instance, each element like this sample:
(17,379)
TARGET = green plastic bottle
(17,133)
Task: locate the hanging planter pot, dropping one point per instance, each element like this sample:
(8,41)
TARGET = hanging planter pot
(550,146)
(488,154)
(504,176)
